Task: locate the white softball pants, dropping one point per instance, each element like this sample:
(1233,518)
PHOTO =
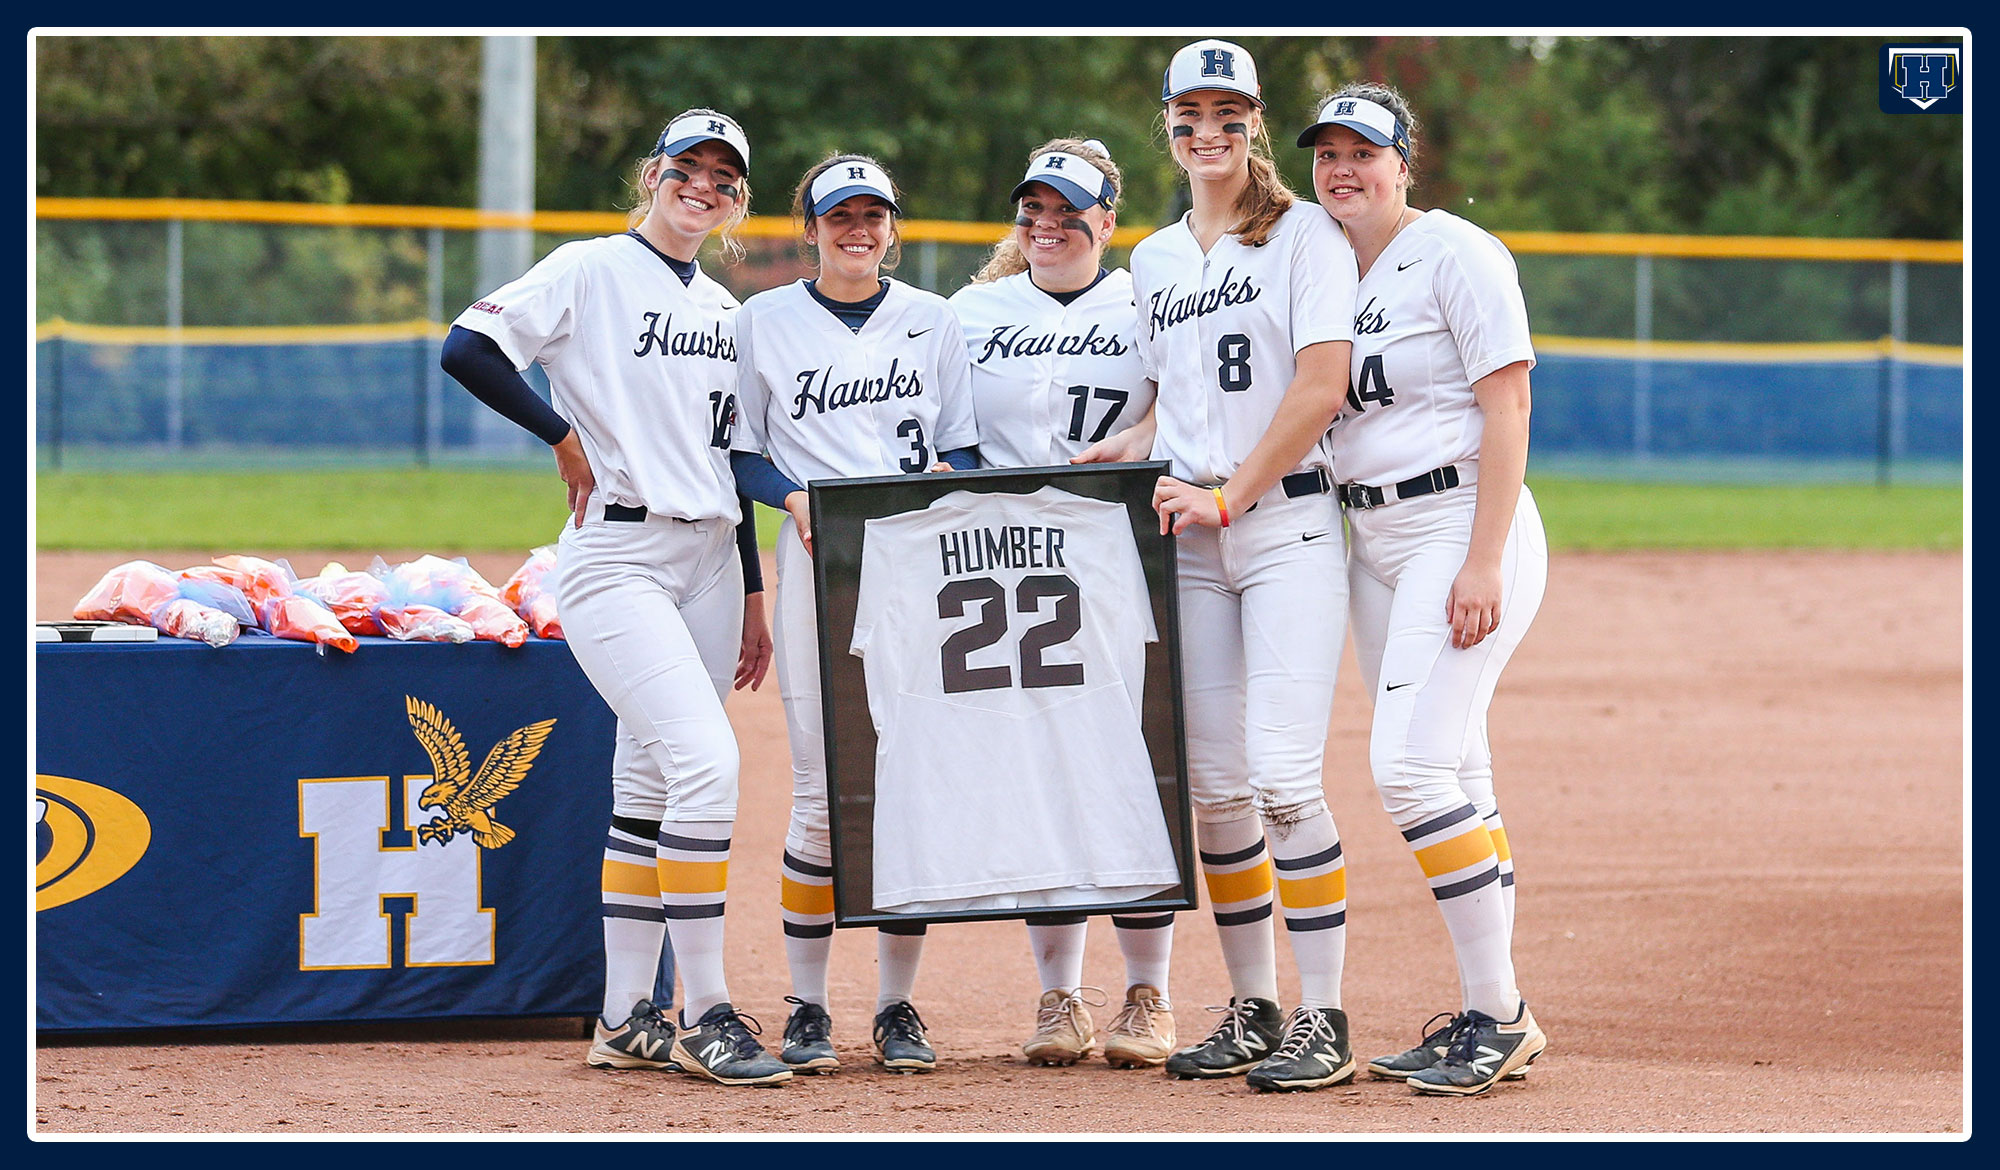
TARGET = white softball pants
(1263,615)
(653,611)
(1428,745)
(795,638)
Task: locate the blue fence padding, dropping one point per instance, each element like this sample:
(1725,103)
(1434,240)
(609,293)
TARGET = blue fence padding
(1585,406)
(370,395)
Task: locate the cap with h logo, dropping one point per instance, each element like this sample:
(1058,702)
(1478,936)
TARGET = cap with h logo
(1372,120)
(692,129)
(844,180)
(1212,64)
(1074,176)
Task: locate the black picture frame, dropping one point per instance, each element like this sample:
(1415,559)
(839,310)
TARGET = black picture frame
(840,510)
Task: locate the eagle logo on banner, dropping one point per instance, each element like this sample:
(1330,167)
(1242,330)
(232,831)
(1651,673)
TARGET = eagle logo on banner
(465,801)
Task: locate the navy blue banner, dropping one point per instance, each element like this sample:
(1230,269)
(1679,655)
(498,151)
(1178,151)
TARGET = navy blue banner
(262,834)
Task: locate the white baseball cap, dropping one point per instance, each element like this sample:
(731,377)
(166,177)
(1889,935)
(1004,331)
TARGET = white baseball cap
(1372,120)
(690,129)
(1212,64)
(844,180)
(1076,177)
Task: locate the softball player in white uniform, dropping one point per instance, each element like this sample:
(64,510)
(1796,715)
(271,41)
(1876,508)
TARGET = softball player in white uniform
(1052,336)
(640,350)
(1246,307)
(1448,559)
(848,374)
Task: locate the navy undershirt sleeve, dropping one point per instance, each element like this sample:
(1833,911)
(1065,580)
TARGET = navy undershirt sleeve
(475,360)
(760,479)
(746,544)
(962,459)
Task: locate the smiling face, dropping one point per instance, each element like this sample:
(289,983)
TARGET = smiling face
(1358,182)
(1059,239)
(695,191)
(1210,131)
(853,237)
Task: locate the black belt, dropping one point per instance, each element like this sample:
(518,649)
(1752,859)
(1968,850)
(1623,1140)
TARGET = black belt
(1360,495)
(622,512)
(1302,483)
(1307,483)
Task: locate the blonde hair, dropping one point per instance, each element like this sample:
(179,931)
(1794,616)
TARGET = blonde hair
(802,210)
(1266,199)
(1006,259)
(732,248)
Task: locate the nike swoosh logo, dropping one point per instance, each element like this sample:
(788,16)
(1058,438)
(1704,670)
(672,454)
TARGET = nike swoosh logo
(1312,536)
(1418,260)
(920,332)
(1398,686)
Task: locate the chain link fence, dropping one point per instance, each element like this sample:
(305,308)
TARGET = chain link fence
(203,336)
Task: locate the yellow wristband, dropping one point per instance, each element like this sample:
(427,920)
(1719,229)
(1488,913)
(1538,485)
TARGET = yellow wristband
(1221,506)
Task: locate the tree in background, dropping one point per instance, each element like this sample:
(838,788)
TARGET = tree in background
(1722,135)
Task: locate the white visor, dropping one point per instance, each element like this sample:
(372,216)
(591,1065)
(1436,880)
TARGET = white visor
(1371,120)
(845,180)
(1072,175)
(692,129)
(1212,64)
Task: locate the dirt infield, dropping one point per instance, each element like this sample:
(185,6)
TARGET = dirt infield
(1734,789)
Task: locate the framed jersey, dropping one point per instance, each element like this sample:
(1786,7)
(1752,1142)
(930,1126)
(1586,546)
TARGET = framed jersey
(1000,669)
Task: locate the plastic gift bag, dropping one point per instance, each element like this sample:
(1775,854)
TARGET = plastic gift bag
(304,619)
(455,587)
(531,592)
(422,623)
(141,593)
(353,597)
(129,593)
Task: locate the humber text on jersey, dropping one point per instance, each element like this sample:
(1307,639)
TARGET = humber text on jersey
(1011,546)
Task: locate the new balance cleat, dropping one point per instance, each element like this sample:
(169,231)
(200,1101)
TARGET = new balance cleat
(1064,1032)
(808,1044)
(1483,1051)
(1250,1031)
(644,1040)
(722,1046)
(1429,1050)
(900,1044)
(1315,1054)
(1142,1035)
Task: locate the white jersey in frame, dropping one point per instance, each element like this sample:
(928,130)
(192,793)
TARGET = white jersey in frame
(642,366)
(1003,639)
(1220,332)
(1050,379)
(824,402)
(1440,309)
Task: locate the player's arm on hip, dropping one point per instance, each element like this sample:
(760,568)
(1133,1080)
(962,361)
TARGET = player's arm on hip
(1474,604)
(1319,384)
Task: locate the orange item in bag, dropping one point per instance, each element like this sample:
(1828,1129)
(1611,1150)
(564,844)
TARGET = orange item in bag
(259,579)
(353,598)
(302,619)
(492,621)
(528,593)
(130,593)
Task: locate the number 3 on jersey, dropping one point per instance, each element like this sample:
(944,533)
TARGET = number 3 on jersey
(1371,386)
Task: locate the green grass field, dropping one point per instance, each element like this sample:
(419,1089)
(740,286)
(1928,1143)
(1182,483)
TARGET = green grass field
(464,510)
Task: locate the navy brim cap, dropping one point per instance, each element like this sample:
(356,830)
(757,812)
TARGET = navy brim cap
(680,144)
(1373,135)
(833,198)
(1077,196)
(1372,120)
